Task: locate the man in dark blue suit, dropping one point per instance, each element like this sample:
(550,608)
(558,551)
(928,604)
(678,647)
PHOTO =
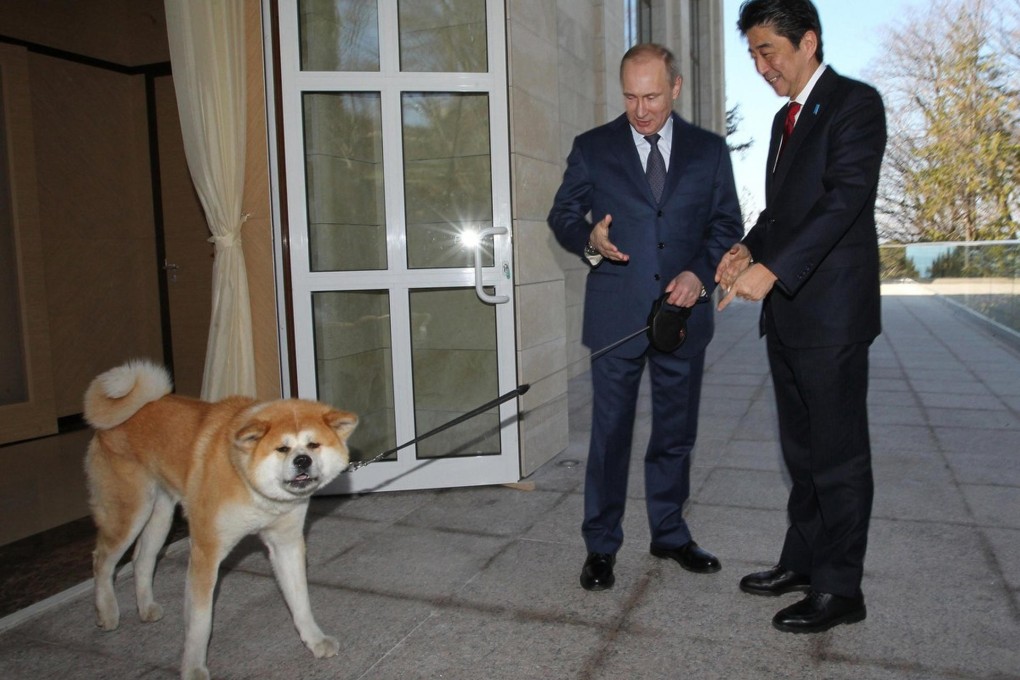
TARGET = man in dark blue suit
(649,200)
(812,257)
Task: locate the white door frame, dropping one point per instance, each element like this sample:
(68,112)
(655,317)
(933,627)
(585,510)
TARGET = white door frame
(407,472)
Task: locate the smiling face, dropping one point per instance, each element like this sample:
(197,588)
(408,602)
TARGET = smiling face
(784,67)
(648,93)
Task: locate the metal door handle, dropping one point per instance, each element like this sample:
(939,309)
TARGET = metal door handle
(171,270)
(479,291)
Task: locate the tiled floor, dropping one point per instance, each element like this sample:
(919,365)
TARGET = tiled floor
(482,583)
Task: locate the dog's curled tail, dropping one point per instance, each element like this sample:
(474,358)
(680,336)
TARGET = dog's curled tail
(116,395)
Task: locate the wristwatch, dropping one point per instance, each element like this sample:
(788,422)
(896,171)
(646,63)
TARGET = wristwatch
(589,251)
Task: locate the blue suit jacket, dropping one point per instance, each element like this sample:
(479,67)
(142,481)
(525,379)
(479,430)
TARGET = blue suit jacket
(696,220)
(817,232)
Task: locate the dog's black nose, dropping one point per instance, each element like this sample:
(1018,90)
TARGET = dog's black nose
(302,462)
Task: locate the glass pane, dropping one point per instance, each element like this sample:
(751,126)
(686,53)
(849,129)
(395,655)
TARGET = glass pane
(453,347)
(353,364)
(443,35)
(344,177)
(13,372)
(339,35)
(447,177)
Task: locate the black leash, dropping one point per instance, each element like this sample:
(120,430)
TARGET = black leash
(668,326)
(516,392)
(519,390)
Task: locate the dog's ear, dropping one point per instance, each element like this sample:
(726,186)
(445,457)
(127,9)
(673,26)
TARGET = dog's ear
(250,435)
(341,422)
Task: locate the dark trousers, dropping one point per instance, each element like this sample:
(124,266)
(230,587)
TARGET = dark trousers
(676,391)
(821,399)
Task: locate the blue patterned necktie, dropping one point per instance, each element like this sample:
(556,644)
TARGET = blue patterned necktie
(655,170)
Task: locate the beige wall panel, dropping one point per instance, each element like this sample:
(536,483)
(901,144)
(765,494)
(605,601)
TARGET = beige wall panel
(535,126)
(546,431)
(542,261)
(530,66)
(577,23)
(96,214)
(538,16)
(534,185)
(539,321)
(541,367)
(550,64)
(611,49)
(258,230)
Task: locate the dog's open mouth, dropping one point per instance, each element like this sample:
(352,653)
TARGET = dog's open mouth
(302,481)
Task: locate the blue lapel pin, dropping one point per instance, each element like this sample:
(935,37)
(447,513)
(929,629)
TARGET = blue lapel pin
(817,106)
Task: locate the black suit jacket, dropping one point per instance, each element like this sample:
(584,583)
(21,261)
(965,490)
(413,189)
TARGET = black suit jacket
(817,233)
(695,221)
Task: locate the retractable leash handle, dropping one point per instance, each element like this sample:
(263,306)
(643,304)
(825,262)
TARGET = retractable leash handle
(667,325)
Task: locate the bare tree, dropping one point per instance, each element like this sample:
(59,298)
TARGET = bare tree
(953,160)
(733,121)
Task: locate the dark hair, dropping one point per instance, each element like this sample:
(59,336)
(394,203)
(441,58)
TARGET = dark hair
(653,51)
(790,19)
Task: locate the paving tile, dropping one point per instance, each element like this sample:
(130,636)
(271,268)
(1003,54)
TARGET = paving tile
(473,583)
(910,498)
(961,400)
(27,657)
(486,510)
(540,581)
(905,440)
(939,555)
(747,489)
(993,505)
(1000,419)
(1004,545)
(413,562)
(464,644)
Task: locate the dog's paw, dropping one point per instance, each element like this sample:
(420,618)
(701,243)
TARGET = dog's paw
(153,612)
(201,673)
(107,611)
(326,647)
(108,621)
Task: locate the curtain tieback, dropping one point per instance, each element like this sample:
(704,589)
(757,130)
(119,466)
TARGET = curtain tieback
(227,240)
(232,238)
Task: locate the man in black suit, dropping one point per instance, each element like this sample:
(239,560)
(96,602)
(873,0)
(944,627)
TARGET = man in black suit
(650,201)
(812,257)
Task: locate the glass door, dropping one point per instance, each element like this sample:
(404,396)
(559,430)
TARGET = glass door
(396,164)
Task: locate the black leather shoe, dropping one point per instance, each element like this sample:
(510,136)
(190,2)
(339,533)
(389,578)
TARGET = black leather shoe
(820,611)
(691,557)
(775,581)
(597,573)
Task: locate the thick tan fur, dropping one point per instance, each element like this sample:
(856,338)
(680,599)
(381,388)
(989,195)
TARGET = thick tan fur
(237,466)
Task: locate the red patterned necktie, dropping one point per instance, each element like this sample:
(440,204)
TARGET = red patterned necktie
(791,119)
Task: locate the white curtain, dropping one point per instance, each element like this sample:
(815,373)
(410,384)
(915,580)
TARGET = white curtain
(207,56)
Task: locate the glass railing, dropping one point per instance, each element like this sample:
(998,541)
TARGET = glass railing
(983,276)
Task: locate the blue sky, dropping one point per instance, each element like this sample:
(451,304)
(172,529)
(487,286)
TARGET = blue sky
(852,32)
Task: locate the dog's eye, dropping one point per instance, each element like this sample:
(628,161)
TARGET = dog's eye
(283,449)
(312,445)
